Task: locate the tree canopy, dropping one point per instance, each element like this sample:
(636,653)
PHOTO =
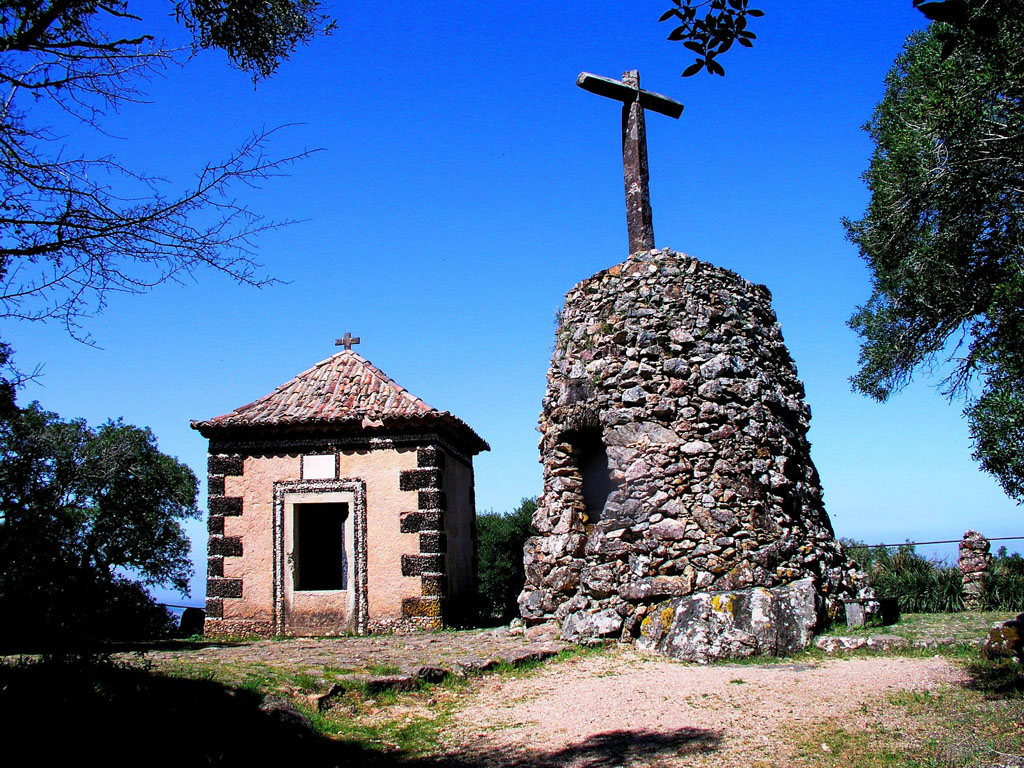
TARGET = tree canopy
(84,513)
(943,234)
(89,517)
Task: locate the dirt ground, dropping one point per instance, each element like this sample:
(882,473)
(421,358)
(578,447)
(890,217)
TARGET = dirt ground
(624,709)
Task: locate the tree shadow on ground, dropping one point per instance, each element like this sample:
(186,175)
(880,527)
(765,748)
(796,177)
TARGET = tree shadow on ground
(38,646)
(65,709)
(996,678)
(175,644)
(603,750)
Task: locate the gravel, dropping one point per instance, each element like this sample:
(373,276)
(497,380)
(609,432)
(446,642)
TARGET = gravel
(624,709)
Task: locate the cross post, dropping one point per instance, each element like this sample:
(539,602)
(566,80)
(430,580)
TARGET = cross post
(634,147)
(347,342)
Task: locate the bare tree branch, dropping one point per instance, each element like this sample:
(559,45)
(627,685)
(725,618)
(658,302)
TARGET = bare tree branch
(75,229)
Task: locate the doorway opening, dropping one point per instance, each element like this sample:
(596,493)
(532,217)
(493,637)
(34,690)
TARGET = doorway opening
(320,559)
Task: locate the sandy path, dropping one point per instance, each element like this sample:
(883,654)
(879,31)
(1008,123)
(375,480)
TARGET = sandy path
(624,709)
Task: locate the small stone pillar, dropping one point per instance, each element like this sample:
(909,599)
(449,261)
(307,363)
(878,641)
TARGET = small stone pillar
(974,563)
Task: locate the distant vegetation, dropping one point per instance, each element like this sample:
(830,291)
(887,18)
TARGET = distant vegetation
(500,574)
(925,585)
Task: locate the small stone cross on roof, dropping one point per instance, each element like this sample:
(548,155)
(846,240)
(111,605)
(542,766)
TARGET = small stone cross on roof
(347,342)
(634,146)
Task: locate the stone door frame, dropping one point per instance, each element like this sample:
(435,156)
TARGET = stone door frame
(357,488)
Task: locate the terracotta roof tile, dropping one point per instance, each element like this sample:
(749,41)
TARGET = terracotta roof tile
(344,388)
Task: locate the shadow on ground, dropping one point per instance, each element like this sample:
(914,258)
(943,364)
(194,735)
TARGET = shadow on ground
(66,709)
(36,647)
(997,678)
(604,750)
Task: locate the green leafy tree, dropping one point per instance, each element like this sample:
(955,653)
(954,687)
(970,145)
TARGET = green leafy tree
(943,234)
(500,575)
(87,518)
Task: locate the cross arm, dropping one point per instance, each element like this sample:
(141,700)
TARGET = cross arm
(615,89)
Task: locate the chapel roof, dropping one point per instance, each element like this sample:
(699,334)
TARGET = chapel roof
(345,390)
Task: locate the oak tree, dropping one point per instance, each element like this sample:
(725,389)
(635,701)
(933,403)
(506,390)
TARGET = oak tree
(709,28)
(87,517)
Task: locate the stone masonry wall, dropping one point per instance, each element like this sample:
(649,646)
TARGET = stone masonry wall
(675,370)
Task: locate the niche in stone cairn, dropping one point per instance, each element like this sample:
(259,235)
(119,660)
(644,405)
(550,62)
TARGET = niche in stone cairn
(597,481)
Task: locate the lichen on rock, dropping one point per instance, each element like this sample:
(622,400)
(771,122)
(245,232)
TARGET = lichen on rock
(710,626)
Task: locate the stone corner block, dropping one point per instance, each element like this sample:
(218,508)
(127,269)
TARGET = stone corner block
(417,565)
(420,479)
(430,456)
(220,587)
(224,465)
(224,546)
(434,585)
(226,505)
(432,500)
(433,542)
(422,520)
(214,608)
(425,607)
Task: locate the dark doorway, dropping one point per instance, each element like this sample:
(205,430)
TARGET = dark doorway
(595,474)
(320,560)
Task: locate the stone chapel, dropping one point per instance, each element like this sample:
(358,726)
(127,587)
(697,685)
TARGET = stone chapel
(339,503)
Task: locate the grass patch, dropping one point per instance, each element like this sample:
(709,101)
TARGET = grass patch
(979,724)
(413,731)
(963,626)
(379,723)
(412,722)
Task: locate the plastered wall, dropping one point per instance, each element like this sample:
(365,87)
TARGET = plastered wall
(242,584)
(385,544)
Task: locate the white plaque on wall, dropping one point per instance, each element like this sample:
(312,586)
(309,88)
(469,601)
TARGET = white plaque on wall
(319,467)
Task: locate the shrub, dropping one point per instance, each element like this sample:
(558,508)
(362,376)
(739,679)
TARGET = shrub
(1006,582)
(500,574)
(933,586)
(920,585)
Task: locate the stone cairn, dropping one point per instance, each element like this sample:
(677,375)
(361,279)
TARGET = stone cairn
(675,458)
(974,564)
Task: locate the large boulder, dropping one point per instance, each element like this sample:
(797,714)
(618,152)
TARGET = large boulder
(708,626)
(1006,639)
(583,627)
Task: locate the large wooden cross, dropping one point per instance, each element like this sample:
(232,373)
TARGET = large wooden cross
(634,147)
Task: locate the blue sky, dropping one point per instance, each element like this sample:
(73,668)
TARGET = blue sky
(464,184)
